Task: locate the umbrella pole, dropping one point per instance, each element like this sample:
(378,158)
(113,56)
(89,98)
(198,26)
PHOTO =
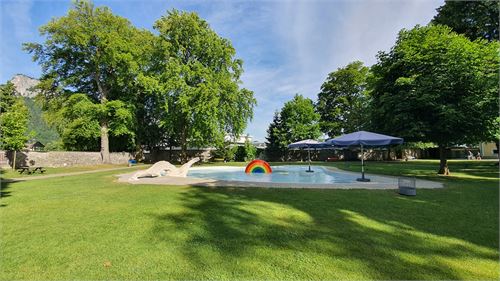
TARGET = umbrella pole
(309,157)
(363,166)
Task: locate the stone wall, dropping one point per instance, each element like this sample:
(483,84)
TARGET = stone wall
(78,158)
(61,158)
(174,155)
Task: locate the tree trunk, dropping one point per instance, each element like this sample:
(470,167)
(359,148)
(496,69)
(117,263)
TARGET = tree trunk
(14,161)
(104,123)
(184,146)
(443,163)
(170,156)
(105,143)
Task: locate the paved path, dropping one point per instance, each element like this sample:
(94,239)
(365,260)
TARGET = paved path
(377,182)
(29,178)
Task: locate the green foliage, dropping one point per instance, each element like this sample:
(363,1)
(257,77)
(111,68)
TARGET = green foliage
(418,145)
(296,121)
(299,119)
(276,142)
(225,150)
(13,119)
(38,125)
(81,130)
(76,118)
(342,102)
(245,152)
(436,86)
(92,51)
(474,19)
(198,81)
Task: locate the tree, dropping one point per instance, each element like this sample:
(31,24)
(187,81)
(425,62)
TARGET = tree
(94,52)
(342,101)
(225,150)
(76,118)
(13,120)
(296,121)
(245,152)
(436,86)
(474,19)
(198,80)
(276,142)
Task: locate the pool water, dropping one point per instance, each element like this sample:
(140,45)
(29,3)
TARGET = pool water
(280,174)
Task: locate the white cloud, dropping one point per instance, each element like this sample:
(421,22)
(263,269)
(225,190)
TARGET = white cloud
(314,38)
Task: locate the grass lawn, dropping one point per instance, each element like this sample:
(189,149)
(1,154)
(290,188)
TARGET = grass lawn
(91,227)
(10,173)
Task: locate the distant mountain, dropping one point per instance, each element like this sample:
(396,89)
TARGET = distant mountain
(24,85)
(42,131)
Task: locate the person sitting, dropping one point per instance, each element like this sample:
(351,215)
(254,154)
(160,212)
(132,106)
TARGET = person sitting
(470,156)
(478,156)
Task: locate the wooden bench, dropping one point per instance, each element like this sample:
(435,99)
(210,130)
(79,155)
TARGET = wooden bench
(30,170)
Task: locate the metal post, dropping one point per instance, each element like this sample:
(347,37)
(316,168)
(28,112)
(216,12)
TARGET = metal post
(362,163)
(362,166)
(309,156)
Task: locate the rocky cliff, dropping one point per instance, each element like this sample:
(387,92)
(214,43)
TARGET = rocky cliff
(24,85)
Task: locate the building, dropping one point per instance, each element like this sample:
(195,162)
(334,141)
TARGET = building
(239,140)
(35,145)
(488,150)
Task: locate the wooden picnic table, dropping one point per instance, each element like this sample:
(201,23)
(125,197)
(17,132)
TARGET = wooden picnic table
(30,170)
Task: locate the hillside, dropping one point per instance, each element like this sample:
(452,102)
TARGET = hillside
(42,131)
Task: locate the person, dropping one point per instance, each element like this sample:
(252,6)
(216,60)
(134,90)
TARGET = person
(478,156)
(470,156)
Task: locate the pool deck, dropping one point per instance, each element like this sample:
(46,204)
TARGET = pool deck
(377,182)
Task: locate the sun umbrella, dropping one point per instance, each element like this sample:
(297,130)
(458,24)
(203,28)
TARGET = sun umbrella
(307,144)
(364,139)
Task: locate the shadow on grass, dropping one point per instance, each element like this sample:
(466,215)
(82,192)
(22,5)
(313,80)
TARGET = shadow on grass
(380,232)
(485,169)
(5,185)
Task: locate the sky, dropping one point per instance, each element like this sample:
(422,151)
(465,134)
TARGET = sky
(288,47)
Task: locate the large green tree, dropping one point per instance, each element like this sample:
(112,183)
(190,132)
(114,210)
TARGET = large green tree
(342,101)
(436,86)
(77,119)
(276,141)
(296,121)
(198,82)
(13,120)
(474,19)
(94,52)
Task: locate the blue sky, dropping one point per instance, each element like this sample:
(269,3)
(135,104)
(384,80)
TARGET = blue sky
(288,47)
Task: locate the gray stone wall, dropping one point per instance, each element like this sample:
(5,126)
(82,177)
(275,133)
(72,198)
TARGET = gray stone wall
(174,155)
(62,158)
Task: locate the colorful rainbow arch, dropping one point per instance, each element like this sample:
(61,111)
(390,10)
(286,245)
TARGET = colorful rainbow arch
(258,166)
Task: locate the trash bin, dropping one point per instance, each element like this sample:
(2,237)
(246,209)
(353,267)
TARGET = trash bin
(407,186)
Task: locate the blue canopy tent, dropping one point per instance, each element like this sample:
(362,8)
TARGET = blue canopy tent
(308,144)
(364,139)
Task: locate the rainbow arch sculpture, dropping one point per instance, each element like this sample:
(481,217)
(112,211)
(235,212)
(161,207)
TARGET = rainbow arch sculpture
(258,166)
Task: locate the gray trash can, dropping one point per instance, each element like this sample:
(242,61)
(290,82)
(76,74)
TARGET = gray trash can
(407,186)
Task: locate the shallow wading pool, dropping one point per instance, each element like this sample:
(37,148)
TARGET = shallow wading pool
(280,174)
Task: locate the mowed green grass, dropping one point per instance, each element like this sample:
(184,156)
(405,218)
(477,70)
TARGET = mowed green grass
(91,227)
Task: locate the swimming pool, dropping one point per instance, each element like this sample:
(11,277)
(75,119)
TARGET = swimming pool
(280,174)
